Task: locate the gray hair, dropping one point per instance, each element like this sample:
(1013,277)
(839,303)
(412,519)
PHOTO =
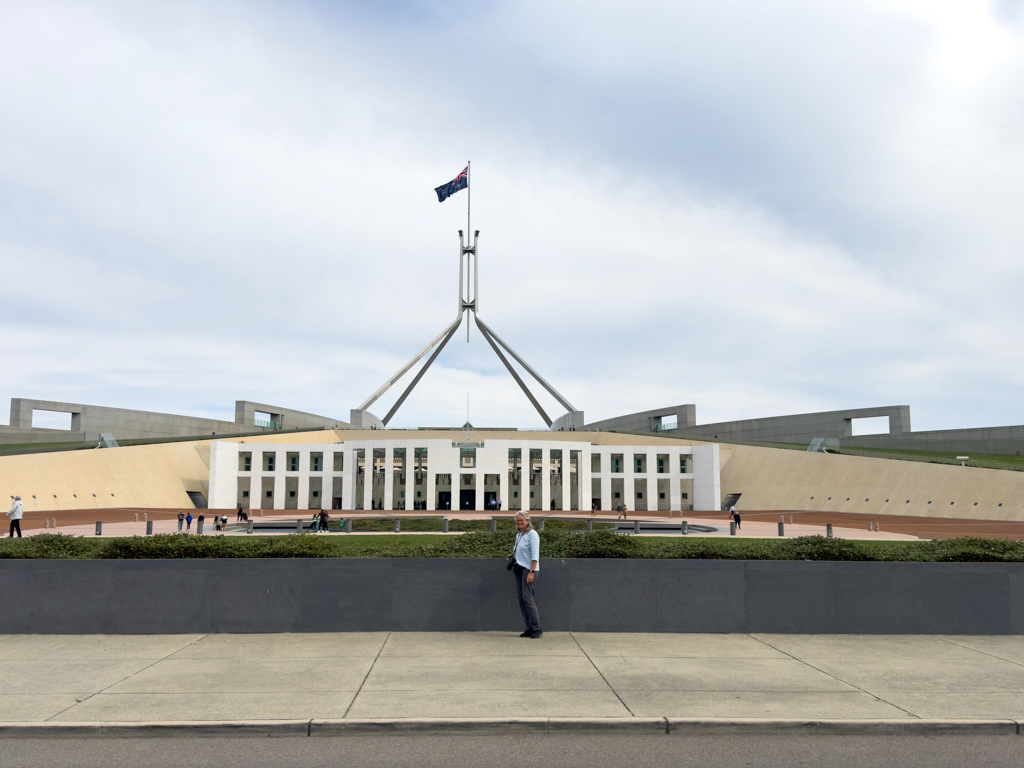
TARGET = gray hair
(526,518)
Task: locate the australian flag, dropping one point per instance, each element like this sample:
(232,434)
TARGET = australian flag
(459,182)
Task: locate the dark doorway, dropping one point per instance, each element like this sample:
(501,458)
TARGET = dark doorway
(336,502)
(467,499)
(489,498)
(444,500)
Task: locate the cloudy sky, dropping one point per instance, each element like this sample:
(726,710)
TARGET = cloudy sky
(760,208)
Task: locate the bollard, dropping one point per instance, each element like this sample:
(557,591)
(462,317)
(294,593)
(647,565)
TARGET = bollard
(782,529)
(348,525)
(199,527)
(99,528)
(298,525)
(46,522)
(790,519)
(636,526)
(590,525)
(398,525)
(684,528)
(444,525)
(732,529)
(149,527)
(871,526)
(494,525)
(542,524)
(828,530)
(876,525)
(136,517)
(53,522)
(145,517)
(782,518)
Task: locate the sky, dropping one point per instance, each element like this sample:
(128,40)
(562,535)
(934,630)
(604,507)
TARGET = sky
(759,208)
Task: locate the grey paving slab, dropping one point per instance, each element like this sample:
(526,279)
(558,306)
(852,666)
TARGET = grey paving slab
(1008,647)
(522,673)
(679,674)
(65,675)
(298,645)
(487,703)
(247,675)
(888,674)
(774,704)
(955,706)
(459,644)
(867,646)
(117,647)
(674,645)
(34,707)
(136,707)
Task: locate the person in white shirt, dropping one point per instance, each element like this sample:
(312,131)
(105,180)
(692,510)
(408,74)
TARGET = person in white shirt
(15,513)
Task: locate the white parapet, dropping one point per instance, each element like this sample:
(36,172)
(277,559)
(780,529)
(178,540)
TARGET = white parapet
(223,475)
(707,482)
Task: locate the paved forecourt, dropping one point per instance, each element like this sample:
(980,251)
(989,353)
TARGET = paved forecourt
(381,675)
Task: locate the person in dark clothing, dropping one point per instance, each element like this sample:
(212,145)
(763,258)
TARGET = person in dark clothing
(188,523)
(241,514)
(324,517)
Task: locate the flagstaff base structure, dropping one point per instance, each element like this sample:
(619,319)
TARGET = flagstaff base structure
(469,302)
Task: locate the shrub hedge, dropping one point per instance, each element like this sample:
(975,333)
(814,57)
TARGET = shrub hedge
(555,543)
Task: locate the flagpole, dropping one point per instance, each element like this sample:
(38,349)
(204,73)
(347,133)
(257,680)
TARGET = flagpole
(469,233)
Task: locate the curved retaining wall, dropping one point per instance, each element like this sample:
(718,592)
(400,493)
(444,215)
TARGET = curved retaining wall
(406,594)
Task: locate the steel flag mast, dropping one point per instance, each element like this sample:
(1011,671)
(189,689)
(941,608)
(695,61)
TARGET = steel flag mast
(468,302)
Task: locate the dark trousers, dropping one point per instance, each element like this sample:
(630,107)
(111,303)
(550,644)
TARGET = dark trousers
(527,603)
(15,526)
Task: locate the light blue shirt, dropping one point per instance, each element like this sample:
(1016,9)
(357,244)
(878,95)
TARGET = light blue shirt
(528,549)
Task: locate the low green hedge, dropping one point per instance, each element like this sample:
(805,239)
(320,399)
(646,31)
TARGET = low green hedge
(555,543)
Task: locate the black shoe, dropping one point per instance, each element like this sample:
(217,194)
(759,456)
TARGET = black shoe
(536,634)
(527,633)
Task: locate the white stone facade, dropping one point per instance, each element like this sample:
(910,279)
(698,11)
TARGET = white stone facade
(412,473)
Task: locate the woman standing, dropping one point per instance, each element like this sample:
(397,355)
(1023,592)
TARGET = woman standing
(527,555)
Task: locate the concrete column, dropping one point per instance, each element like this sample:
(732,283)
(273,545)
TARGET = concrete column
(224,475)
(566,478)
(607,502)
(302,494)
(478,488)
(389,480)
(432,457)
(279,485)
(368,479)
(348,487)
(628,477)
(586,494)
(707,488)
(675,483)
(503,486)
(545,479)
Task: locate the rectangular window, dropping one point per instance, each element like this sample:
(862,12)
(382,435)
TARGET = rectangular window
(682,465)
(686,495)
(595,462)
(662,463)
(339,462)
(245,494)
(467,458)
(316,462)
(245,462)
(661,495)
(640,463)
(268,462)
(616,463)
(293,462)
(270,494)
(317,493)
(291,494)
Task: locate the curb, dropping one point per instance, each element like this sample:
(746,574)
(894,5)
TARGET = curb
(532,725)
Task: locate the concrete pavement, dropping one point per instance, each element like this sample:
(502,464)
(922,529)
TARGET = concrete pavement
(360,676)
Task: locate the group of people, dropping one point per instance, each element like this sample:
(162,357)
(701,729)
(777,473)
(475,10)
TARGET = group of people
(495,505)
(320,521)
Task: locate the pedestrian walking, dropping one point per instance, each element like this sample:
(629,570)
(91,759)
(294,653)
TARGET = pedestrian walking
(618,512)
(181,520)
(734,516)
(525,563)
(15,513)
(499,505)
(188,523)
(625,512)
(324,517)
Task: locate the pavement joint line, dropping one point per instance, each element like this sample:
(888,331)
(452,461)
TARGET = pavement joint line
(308,728)
(133,674)
(596,669)
(975,650)
(367,676)
(829,674)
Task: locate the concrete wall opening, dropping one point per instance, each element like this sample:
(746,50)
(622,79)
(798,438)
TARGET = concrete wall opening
(876,425)
(51,420)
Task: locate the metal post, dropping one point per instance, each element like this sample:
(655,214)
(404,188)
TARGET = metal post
(199,527)
(684,528)
(782,529)
(99,528)
(53,522)
(248,528)
(149,527)
(298,525)
(590,525)
(828,530)
(348,525)
(494,525)
(732,529)
(145,517)
(136,517)
(398,525)
(444,525)
(541,527)
(636,526)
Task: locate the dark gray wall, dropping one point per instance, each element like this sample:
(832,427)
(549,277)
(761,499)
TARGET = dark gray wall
(350,595)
